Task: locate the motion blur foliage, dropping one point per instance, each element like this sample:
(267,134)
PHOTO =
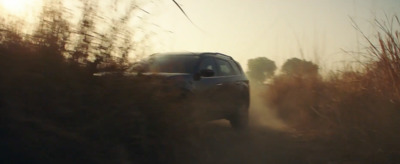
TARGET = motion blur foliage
(52,110)
(358,110)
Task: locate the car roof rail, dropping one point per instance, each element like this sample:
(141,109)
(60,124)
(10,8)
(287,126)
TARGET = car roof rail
(203,53)
(219,54)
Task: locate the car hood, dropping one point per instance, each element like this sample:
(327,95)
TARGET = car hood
(162,74)
(156,74)
(179,80)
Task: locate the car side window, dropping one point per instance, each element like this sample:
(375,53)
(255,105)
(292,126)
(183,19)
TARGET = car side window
(207,63)
(224,68)
(235,67)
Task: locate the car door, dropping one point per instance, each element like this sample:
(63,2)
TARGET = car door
(206,88)
(228,79)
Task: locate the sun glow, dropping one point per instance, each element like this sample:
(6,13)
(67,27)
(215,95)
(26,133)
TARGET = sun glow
(16,7)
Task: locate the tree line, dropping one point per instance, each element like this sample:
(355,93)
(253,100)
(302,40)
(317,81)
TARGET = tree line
(261,69)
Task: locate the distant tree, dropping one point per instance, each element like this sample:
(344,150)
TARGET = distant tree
(260,69)
(299,67)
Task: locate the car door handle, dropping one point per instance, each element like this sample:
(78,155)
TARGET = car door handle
(220,84)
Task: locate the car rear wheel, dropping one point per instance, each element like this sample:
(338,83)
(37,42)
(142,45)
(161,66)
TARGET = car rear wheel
(240,119)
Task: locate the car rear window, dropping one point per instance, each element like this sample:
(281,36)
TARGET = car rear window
(225,68)
(236,67)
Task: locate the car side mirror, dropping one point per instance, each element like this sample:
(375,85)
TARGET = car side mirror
(207,73)
(204,73)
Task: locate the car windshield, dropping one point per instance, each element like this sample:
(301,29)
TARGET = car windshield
(169,64)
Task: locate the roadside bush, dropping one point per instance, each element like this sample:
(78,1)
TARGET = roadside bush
(358,110)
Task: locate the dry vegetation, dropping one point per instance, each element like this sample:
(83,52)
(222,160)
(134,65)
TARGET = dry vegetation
(52,109)
(356,112)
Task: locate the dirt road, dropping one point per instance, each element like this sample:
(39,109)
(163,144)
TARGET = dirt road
(268,140)
(256,145)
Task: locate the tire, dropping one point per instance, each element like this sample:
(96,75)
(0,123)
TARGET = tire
(240,119)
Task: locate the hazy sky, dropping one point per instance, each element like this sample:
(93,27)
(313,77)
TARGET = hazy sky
(276,29)
(245,29)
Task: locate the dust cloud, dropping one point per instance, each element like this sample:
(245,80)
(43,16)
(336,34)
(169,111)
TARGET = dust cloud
(260,114)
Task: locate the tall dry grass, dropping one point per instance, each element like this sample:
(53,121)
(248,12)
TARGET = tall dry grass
(357,112)
(53,110)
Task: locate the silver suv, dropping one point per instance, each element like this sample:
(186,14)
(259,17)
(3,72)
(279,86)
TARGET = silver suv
(215,81)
